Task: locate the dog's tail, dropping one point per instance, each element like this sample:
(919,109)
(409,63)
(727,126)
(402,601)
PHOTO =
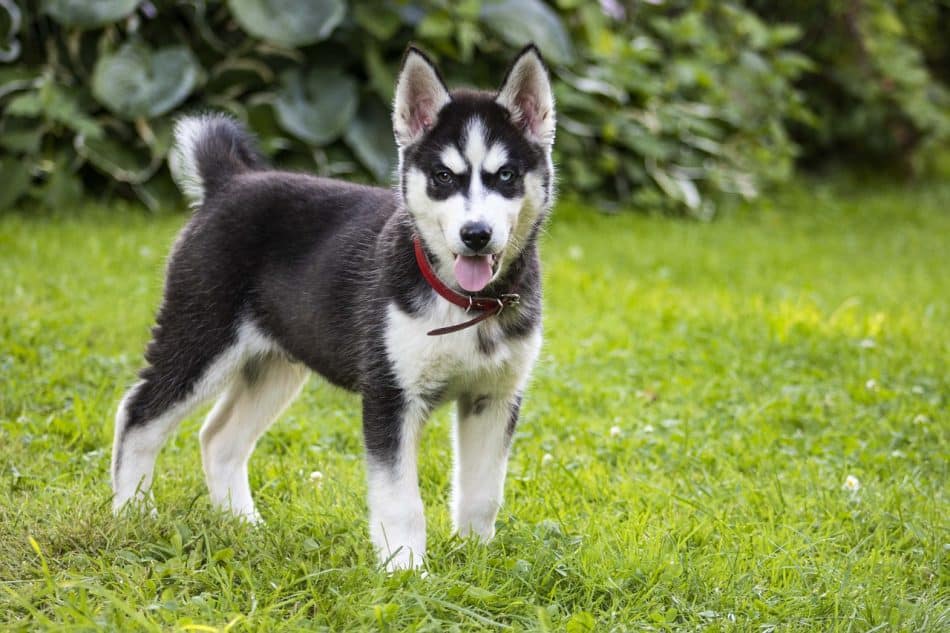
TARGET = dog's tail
(209,150)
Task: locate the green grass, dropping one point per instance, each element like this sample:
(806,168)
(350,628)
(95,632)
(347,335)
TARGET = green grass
(747,368)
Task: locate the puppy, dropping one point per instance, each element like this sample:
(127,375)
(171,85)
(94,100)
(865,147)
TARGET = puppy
(413,296)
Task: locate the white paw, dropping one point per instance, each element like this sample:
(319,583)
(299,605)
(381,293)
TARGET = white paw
(477,524)
(246,515)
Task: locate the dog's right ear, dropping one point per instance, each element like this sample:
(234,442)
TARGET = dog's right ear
(420,94)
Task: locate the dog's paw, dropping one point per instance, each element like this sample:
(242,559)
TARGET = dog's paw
(252,518)
(480,526)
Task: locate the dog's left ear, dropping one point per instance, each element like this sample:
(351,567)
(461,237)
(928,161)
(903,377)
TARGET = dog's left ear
(526,94)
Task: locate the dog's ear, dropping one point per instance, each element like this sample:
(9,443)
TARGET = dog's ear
(420,94)
(526,94)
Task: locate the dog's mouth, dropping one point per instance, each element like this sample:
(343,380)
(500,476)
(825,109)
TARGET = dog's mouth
(474,272)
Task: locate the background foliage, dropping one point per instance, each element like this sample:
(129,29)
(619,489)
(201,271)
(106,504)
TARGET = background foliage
(662,104)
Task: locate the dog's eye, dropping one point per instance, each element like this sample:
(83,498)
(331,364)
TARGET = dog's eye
(506,175)
(443,176)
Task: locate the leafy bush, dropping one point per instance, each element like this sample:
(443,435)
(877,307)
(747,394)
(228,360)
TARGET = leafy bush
(661,104)
(673,100)
(881,94)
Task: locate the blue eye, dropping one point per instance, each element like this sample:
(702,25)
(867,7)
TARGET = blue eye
(506,175)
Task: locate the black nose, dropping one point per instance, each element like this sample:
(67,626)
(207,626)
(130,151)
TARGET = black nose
(475,235)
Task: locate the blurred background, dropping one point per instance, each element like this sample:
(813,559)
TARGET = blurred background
(669,105)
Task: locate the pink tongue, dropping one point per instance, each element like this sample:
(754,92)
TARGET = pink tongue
(473,272)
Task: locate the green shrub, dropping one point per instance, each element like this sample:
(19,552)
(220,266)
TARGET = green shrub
(661,105)
(879,94)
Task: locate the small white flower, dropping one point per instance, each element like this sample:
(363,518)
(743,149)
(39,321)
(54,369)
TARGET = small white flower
(575,252)
(547,459)
(867,343)
(917,390)
(615,431)
(851,484)
(316,477)
(648,428)
(921,419)
(870,385)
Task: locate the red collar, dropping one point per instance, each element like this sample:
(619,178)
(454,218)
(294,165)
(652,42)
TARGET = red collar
(488,306)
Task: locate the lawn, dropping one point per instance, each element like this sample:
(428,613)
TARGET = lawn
(740,425)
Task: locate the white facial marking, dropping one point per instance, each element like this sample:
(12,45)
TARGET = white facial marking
(451,158)
(511,219)
(474,139)
(495,159)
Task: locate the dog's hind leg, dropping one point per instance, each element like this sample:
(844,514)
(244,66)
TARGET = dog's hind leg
(147,416)
(257,396)
(172,386)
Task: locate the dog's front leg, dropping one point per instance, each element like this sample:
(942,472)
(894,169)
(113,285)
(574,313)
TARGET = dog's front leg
(397,524)
(483,430)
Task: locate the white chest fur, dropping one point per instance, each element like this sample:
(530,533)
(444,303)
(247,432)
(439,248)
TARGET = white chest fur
(456,362)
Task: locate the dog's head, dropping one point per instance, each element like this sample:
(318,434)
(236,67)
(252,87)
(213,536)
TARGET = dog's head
(475,168)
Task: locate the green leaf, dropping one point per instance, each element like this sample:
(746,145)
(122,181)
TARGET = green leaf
(520,22)
(26,105)
(290,23)
(158,192)
(263,120)
(62,187)
(53,103)
(21,138)
(136,81)
(381,22)
(679,189)
(581,622)
(784,34)
(16,180)
(381,75)
(435,26)
(10,25)
(371,139)
(117,159)
(86,14)
(13,78)
(317,106)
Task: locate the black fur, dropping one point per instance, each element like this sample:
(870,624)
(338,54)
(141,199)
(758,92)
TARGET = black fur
(514,411)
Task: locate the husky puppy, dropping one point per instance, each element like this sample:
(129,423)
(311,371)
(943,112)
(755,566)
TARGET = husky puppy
(413,296)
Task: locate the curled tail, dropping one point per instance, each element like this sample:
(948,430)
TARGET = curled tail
(208,151)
